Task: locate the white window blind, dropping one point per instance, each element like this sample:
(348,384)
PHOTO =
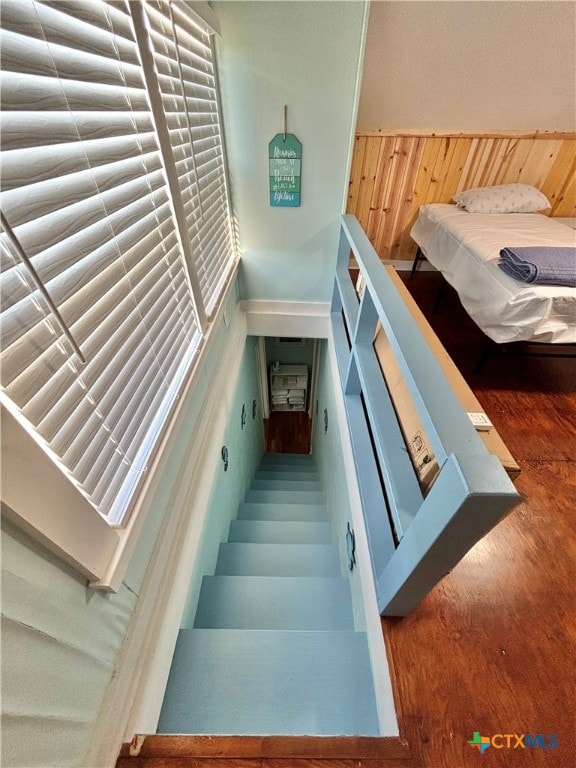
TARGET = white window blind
(85,196)
(183,60)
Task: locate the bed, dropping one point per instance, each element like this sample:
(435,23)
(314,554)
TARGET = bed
(465,247)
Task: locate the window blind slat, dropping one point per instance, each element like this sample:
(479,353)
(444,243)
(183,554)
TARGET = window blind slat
(21,129)
(189,98)
(107,315)
(17,48)
(53,161)
(84,190)
(124,321)
(46,93)
(94,248)
(109,484)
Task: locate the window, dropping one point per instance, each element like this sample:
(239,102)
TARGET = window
(182,55)
(95,257)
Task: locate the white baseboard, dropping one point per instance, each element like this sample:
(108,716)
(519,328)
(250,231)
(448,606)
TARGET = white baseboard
(402,265)
(287,318)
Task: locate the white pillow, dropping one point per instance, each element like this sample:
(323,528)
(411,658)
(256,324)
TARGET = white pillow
(503,198)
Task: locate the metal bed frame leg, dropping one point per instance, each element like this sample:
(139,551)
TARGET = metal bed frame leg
(486,353)
(439,297)
(417,258)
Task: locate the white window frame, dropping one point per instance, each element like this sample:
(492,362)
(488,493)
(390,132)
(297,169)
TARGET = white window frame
(39,498)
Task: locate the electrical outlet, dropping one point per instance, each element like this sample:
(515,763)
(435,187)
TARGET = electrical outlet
(480,421)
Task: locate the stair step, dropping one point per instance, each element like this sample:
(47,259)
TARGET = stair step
(281,474)
(268,511)
(288,469)
(289,497)
(262,682)
(274,602)
(304,459)
(285,485)
(278,560)
(279,532)
(200,750)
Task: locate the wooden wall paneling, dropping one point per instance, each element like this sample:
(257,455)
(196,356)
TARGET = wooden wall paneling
(559,186)
(368,179)
(432,192)
(441,172)
(476,162)
(567,206)
(397,193)
(391,202)
(406,203)
(356,173)
(497,155)
(411,170)
(377,212)
(540,161)
(393,175)
(382,204)
(512,171)
(454,171)
(499,163)
(430,150)
(512,153)
(430,154)
(401,243)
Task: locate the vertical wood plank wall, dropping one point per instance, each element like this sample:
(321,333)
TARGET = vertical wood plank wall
(393,175)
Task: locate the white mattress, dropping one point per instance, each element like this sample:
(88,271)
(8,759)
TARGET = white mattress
(465,247)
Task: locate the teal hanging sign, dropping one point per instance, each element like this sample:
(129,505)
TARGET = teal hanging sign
(285,168)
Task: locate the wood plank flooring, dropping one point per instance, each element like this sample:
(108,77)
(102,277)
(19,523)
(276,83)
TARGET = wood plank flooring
(492,647)
(288,432)
(264,752)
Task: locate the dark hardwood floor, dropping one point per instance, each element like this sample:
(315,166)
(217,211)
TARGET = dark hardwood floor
(492,647)
(288,432)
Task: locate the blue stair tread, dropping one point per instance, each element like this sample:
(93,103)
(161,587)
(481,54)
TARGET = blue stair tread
(285,485)
(275,602)
(266,682)
(292,497)
(239,559)
(281,474)
(284,532)
(303,459)
(279,511)
(288,469)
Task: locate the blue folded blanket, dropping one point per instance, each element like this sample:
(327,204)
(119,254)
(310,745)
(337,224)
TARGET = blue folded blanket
(541,265)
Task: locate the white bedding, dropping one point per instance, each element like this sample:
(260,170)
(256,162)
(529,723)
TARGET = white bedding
(465,247)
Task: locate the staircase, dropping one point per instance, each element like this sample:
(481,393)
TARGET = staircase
(273,648)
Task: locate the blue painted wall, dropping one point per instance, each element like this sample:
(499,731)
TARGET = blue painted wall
(305,55)
(327,450)
(245,448)
(289,354)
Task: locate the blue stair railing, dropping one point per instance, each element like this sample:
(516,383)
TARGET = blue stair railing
(414,538)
